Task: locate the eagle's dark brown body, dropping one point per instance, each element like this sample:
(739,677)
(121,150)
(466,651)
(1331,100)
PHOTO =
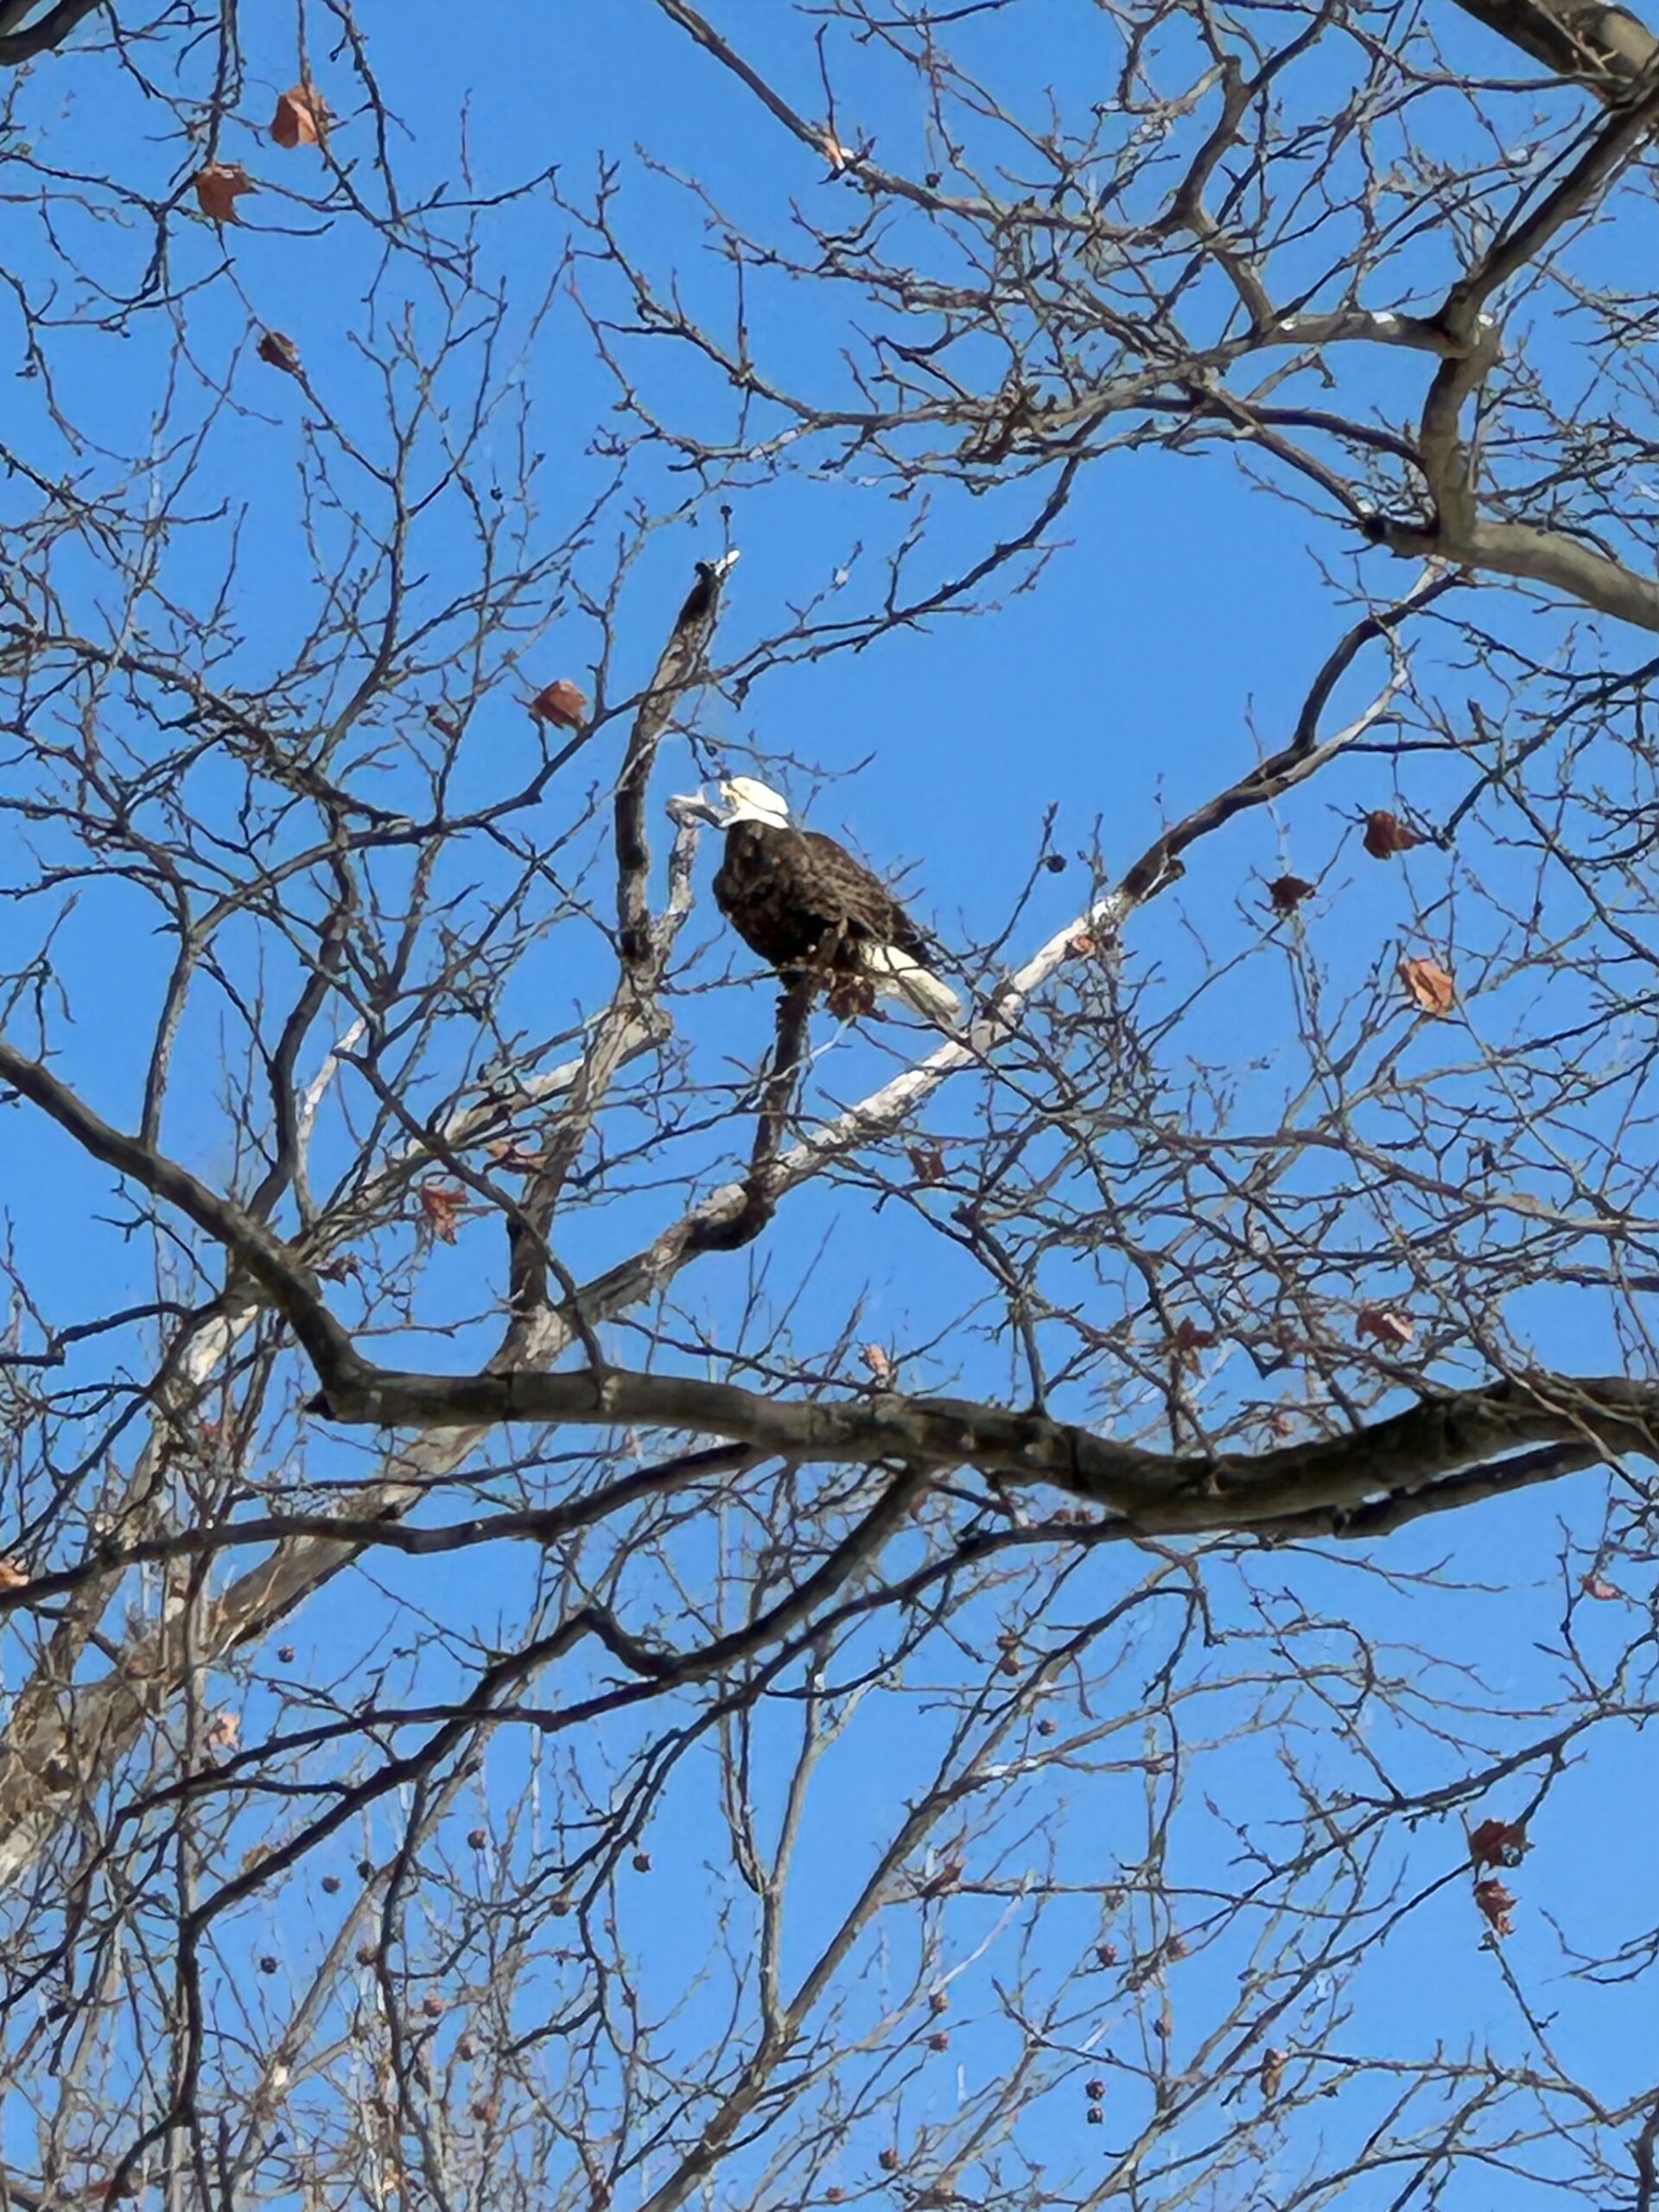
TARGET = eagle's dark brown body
(801,901)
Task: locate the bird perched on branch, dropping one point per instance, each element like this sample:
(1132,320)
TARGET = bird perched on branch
(806,905)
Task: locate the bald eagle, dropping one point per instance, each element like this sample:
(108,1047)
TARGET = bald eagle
(808,907)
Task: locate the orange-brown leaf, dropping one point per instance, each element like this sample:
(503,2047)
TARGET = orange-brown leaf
(219,186)
(1188,1340)
(1496,1903)
(12,1577)
(1497,1843)
(1385,1326)
(1429,985)
(442,1205)
(1386,834)
(280,353)
(1288,893)
(560,702)
(301,119)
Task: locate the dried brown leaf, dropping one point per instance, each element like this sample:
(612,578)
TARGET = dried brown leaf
(302,118)
(1188,1340)
(1497,1843)
(1429,984)
(219,186)
(442,1205)
(12,1577)
(1288,893)
(280,352)
(561,704)
(1386,834)
(1385,1326)
(1495,1904)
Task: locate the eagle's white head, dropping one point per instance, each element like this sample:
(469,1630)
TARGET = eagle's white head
(746,799)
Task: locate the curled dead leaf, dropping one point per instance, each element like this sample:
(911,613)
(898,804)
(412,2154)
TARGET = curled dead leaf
(1496,1905)
(12,1577)
(442,1205)
(218,189)
(560,702)
(1429,985)
(1287,893)
(302,117)
(1272,2074)
(1188,1340)
(1385,1326)
(1497,1843)
(280,353)
(1386,834)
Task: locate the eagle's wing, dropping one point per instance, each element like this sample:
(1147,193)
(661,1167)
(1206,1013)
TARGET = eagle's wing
(871,925)
(857,896)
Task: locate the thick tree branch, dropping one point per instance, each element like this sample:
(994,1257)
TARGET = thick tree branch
(1154,1493)
(1606,48)
(44,36)
(285,1279)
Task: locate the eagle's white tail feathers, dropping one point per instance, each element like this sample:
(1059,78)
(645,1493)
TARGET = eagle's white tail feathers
(893,971)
